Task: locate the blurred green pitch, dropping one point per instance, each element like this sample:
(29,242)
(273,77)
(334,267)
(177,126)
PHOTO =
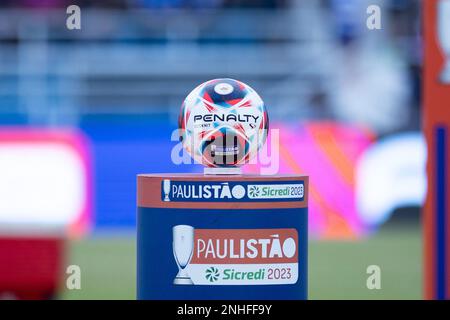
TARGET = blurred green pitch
(337,270)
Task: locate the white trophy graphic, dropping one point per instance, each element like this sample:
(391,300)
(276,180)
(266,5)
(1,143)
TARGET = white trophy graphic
(183,247)
(443,25)
(166,189)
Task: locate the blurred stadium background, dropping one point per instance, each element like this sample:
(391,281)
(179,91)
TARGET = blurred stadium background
(83,111)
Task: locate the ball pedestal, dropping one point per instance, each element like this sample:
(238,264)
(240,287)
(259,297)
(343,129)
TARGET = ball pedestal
(222,237)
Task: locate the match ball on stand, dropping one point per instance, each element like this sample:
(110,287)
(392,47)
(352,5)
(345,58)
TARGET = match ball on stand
(223,123)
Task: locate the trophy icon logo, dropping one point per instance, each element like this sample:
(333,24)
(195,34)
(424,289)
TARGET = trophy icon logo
(183,247)
(166,189)
(443,26)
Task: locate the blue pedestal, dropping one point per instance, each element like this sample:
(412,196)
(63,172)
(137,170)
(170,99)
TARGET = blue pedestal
(222,237)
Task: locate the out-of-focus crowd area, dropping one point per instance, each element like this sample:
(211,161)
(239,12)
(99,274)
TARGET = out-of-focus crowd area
(309,59)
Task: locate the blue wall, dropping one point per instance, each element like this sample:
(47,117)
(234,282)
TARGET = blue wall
(123,147)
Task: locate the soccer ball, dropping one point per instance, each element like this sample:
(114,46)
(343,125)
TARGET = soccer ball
(223,123)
